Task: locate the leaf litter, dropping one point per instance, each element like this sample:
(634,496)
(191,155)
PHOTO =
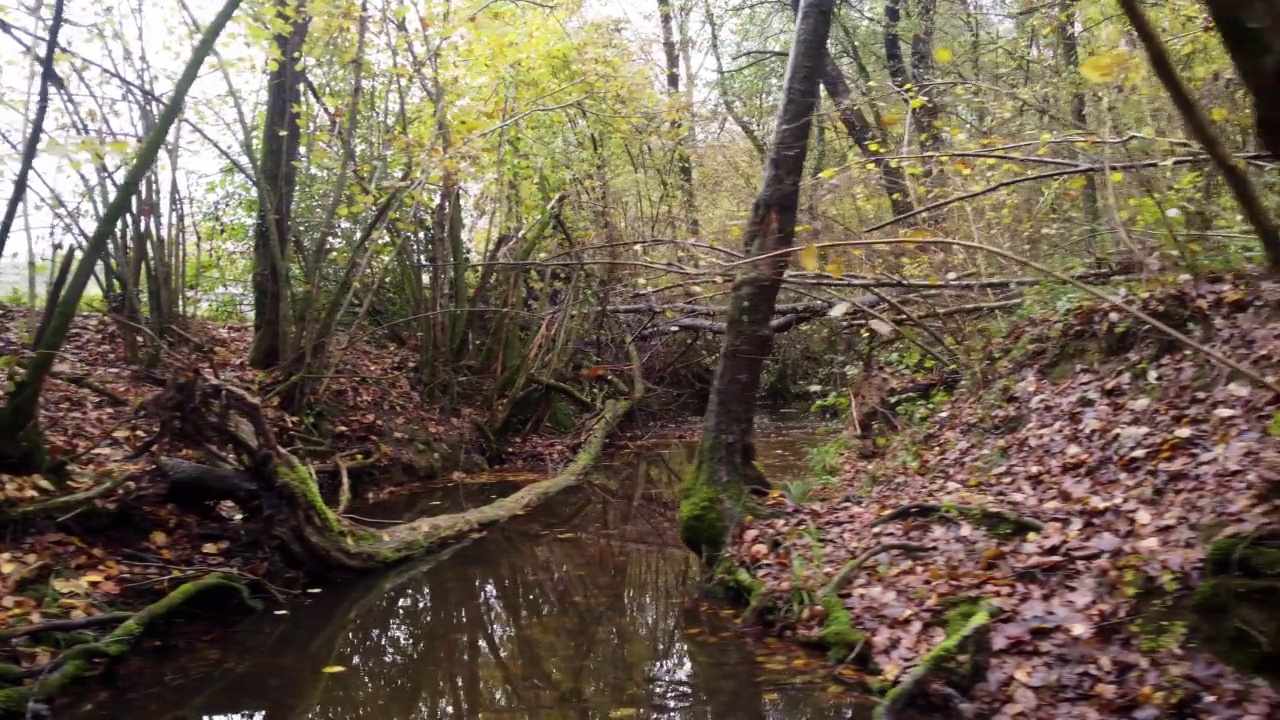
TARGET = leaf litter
(1132,463)
(132,545)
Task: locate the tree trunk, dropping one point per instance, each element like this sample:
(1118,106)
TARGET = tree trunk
(1250,30)
(279,176)
(724,467)
(730,107)
(21,444)
(909,81)
(684,165)
(1069,42)
(863,134)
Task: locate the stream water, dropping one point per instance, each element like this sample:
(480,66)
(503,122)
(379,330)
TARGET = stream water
(587,607)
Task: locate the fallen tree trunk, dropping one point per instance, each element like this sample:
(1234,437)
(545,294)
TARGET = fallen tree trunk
(317,537)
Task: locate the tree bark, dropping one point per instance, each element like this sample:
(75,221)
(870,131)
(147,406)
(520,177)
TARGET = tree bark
(684,164)
(279,176)
(1250,30)
(21,444)
(724,467)
(1239,183)
(1069,44)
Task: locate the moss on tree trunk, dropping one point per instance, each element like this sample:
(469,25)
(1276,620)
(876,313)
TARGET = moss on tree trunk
(725,467)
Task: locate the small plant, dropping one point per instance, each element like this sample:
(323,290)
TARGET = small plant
(799,491)
(824,460)
(831,406)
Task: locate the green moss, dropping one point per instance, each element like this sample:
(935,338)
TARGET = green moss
(979,614)
(963,611)
(10,674)
(1238,555)
(838,634)
(75,663)
(299,477)
(740,585)
(703,525)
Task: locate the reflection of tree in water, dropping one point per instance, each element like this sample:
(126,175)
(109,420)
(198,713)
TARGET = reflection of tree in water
(578,612)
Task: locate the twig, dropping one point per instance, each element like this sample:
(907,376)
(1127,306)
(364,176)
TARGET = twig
(344,489)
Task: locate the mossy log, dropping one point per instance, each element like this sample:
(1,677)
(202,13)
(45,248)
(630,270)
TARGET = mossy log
(77,661)
(318,537)
(954,644)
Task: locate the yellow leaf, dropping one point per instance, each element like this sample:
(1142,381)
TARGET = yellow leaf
(1219,114)
(210,548)
(1117,177)
(334,669)
(943,55)
(93,578)
(835,268)
(808,258)
(159,539)
(1102,68)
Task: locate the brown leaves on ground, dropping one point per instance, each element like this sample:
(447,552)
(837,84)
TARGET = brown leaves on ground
(1129,462)
(94,415)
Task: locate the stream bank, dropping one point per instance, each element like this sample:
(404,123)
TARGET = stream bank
(163,486)
(1060,514)
(587,607)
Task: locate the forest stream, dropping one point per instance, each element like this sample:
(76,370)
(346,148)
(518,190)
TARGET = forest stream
(587,607)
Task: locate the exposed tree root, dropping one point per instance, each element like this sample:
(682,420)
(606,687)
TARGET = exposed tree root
(63,625)
(76,662)
(201,410)
(846,573)
(901,694)
(1004,518)
(63,503)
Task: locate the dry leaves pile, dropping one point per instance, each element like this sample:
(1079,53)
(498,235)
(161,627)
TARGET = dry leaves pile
(1130,463)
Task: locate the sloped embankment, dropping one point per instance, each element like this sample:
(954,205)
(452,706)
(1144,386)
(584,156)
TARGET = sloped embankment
(1062,515)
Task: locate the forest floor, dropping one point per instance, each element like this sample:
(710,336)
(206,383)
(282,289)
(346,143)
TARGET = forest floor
(132,546)
(1082,496)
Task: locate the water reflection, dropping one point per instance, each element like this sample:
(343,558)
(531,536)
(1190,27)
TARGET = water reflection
(582,610)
